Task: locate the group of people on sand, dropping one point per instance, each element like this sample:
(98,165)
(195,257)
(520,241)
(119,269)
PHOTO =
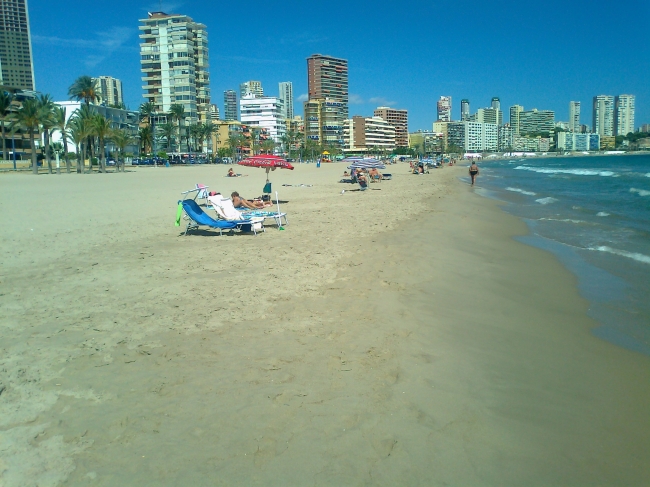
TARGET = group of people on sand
(363,176)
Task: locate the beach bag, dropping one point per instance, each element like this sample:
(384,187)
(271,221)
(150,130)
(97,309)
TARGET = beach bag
(267,188)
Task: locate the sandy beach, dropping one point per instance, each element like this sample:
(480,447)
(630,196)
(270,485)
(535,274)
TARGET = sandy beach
(398,336)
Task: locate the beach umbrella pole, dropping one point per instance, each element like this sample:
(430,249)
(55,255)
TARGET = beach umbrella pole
(277,202)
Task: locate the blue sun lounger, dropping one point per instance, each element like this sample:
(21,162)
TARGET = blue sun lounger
(197,218)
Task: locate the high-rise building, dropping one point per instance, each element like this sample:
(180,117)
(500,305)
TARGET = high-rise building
(536,121)
(16,61)
(369,135)
(398,119)
(472,136)
(214,113)
(265,112)
(603,115)
(464,110)
(574,116)
(515,112)
(488,115)
(496,103)
(444,109)
(174,64)
(253,87)
(286,95)
(323,121)
(327,78)
(109,90)
(230,105)
(624,120)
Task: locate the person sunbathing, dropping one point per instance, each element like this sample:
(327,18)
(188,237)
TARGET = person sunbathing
(375,174)
(233,174)
(238,201)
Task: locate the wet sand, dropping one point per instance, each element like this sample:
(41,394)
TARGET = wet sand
(393,337)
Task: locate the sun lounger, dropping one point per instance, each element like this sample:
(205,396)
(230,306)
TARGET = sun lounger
(227,212)
(197,218)
(201,192)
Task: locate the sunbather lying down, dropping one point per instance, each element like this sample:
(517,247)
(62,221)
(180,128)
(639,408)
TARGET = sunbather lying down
(238,201)
(233,174)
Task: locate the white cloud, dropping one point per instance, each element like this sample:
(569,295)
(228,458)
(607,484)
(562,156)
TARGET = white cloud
(303,97)
(355,99)
(381,101)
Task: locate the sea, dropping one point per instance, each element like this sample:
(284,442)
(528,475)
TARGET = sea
(593,213)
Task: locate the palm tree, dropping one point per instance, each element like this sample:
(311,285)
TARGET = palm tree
(83,89)
(57,149)
(177,112)
(86,114)
(77,133)
(121,138)
(268,146)
(167,130)
(235,141)
(102,130)
(28,117)
(5,105)
(193,132)
(62,126)
(207,130)
(146,138)
(46,107)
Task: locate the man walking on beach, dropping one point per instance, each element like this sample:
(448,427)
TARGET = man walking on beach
(473,171)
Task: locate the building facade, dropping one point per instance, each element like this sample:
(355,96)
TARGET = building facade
(230,105)
(327,78)
(515,112)
(464,110)
(488,115)
(398,119)
(368,135)
(16,60)
(109,90)
(285,90)
(624,119)
(505,137)
(265,112)
(536,121)
(603,115)
(495,104)
(531,144)
(252,87)
(174,64)
(427,142)
(444,109)
(472,136)
(574,116)
(214,113)
(324,121)
(574,141)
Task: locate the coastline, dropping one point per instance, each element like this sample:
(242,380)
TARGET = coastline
(407,336)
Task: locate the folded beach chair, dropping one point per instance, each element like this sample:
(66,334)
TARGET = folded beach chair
(226,211)
(197,217)
(201,192)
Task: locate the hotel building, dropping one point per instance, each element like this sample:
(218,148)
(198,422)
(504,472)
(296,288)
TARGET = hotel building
(603,115)
(473,136)
(488,115)
(109,90)
(398,119)
(324,121)
(536,121)
(265,112)
(624,121)
(368,135)
(444,109)
(327,77)
(16,61)
(574,141)
(174,64)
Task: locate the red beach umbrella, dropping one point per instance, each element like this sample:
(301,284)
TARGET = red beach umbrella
(270,163)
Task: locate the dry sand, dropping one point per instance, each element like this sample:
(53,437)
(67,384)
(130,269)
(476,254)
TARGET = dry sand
(393,337)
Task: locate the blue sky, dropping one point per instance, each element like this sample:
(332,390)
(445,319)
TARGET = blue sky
(405,54)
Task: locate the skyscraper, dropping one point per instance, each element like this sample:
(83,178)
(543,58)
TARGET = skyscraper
(286,95)
(253,87)
(624,121)
(444,109)
(109,89)
(464,110)
(230,105)
(536,121)
(574,116)
(496,103)
(515,111)
(603,115)
(327,77)
(174,64)
(398,119)
(16,62)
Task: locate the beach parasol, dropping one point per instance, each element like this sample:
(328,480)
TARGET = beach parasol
(270,163)
(368,163)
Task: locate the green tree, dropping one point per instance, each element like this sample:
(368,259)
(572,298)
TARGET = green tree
(28,117)
(63,128)
(207,130)
(101,127)
(167,130)
(177,113)
(83,89)
(77,133)
(146,138)
(121,138)
(268,146)
(235,142)
(5,111)
(46,109)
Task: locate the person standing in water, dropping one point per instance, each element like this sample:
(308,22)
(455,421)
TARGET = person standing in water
(473,171)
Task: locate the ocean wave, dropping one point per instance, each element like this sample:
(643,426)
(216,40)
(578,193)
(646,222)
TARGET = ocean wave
(647,175)
(517,190)
(640,192)
(576,172)
(546,201)
(566,220)
(602,213)
(630,255)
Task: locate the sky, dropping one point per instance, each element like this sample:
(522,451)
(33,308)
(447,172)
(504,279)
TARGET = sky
(404,54)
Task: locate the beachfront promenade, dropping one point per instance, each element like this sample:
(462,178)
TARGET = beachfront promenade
(392,337)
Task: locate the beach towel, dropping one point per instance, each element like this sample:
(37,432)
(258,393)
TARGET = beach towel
(225,208)
(179,213)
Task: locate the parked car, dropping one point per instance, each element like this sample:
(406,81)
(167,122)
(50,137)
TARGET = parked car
(135,162)
(110,162)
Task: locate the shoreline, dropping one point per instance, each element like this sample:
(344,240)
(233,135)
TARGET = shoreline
(340,351)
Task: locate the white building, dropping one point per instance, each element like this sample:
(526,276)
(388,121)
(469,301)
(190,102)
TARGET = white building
(481,136)
(624,122)
(573,141)
(286,95)
(251,87)
(266,112)
(603,115)
(368,135)
(574,116)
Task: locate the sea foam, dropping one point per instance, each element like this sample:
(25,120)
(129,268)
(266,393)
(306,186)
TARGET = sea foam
(602,213)
(640,192)
(630,255)
(517,190)
(546,201)
(576,172)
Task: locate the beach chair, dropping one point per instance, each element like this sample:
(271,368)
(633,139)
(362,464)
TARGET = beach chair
(201,192)
(226,211)
(196,218)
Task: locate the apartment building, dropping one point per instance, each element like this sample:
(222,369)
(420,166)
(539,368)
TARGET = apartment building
(515,112)
(251,87)
(574,141)
(265,112)
(174,64)
(464,110)
(624,120)
(324,121)
(285,92)
(574,116)
(444,109)
(230,105)
(370,135)
(603,115)
(488,115)
(398,119)
(472,136)
(109,90)
(536,121)
(327,77)
(16,60)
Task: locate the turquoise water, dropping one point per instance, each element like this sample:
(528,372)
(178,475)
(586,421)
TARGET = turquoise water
(594,214)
